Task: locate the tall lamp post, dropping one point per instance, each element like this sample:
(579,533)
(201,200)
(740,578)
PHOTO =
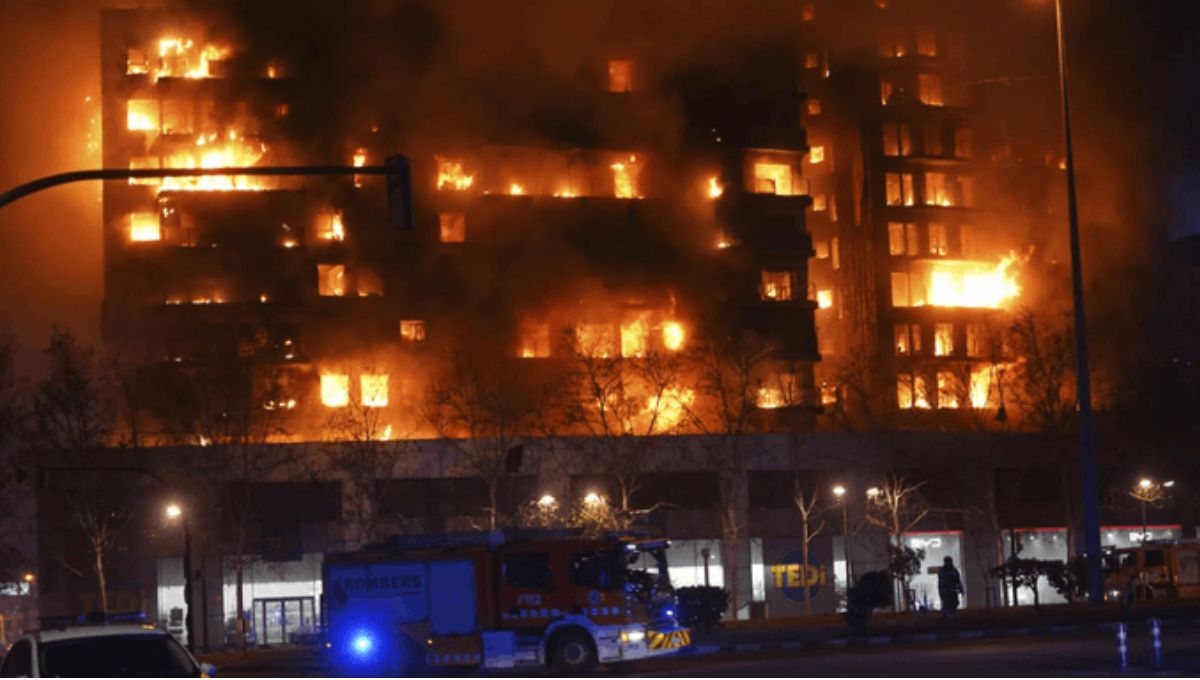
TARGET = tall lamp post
(839,492)
(174,512)
(1146,492)
(1091,494)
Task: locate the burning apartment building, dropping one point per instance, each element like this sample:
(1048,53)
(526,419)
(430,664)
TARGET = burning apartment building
(665,270)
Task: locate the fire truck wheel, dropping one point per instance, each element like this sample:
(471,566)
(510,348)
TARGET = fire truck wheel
(571,652)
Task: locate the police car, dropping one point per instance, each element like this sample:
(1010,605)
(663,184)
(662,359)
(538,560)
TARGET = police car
(100,646)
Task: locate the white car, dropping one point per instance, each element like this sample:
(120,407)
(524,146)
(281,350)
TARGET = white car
(101,650)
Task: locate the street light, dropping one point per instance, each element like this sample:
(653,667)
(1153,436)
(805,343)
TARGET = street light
(1091,494)
(839,492)
(1148,491)
(174,512)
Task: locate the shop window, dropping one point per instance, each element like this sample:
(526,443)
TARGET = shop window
(374,388)
(331,280)
(938,243)
(903,239)
(900,189)
(896,140)
(937,189)
(452,227)
(620,75)
(776,286)
(943,339)
(929,89)
(412,330)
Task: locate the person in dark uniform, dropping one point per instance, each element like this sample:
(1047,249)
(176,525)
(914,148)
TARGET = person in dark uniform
(949,587)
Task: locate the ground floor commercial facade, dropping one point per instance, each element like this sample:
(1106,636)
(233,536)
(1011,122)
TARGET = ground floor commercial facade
(731,526)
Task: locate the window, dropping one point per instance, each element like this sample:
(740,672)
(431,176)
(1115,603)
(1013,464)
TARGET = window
(932,138)
(891,42)
(962,142)
(773,178)
(820,203)
(900,188)
(598,340)
(776,285)
(929,89)
(938,243)
(821,250)
(596,569)
(528,570)
(374,389)
(834,254)
(824,298)
(335,389)
(136,62)
(976,342)
(911,391)
(943,339)
(452,227)
(813,106)
(369,283)
(634,337)
(908,290)
(330,227)
(143,226)
(177,117)
(885,90)
(535,341)
(412,330)
(937,189)
(142,114)
(620,75)
(816,154)
(896,140)
(927,42)
(908,339)
(947,390)
(966,190)
(903,238)
(452,175)
(331,280)
(968,241)
(812,60)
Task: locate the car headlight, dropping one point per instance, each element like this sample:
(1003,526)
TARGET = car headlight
(630,635)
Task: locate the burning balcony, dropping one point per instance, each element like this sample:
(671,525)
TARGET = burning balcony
(957,283)
(174,57)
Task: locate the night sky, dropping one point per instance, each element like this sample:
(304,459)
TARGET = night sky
(1135,105)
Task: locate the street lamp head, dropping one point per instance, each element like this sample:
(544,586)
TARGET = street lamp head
(174,511)
(839,491)
(28,577)
(1168,484)
(592,498)
(1145,483)
(547,501)
(872,492)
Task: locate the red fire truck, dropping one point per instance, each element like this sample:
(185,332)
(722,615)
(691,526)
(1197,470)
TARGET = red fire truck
(499,599)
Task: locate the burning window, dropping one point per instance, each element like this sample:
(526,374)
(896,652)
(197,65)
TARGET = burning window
(359,159)
(773,178)
(451,175)
(929,89)
(835,256)
(634,336)
(673,336)
(937,189)
(824,298)
(927,42)
(983,385)
(948,389)
(966,191)
(939,244)
(885,90)
(331,280)
(335,390)
(900,188)
(369,282)
(178,117)
(143,226)
(412,330)
(908,339)
(821,250)
(943,339)
(182,58)
(896,140)
(812,60)
(819,202)
(625,177)
(962,141)
(776,285)
(813,106)
(976,340)
(902,238)
(908,290)
(714,188)
(330,227)
(142,114)
(452,227)
(891,42)
(620,75)
(816,154)
(830,394)
(781,390)
(598,340)
(973,284)
(535,341)
(932,139)
(374,389)
(136,62)
(911,391)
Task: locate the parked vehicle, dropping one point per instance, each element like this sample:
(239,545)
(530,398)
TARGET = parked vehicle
(1153,570)
(500,599)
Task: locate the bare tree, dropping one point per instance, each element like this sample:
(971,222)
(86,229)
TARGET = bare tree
(486,410)
(1043,383)
(812,524)
(896,506)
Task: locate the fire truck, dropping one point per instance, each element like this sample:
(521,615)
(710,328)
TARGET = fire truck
(498,600)
(1153,570)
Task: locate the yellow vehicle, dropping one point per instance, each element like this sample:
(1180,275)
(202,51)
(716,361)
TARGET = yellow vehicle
(1153,570)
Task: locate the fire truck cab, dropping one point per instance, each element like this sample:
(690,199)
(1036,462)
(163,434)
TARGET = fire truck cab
(1153,570)
(499,599)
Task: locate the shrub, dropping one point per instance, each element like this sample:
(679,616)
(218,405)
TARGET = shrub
(873,591)
(701,607)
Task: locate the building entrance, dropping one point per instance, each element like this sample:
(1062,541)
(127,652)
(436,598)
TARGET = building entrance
(277,620)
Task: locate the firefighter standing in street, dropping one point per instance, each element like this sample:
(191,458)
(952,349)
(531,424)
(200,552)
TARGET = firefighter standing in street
(949,587)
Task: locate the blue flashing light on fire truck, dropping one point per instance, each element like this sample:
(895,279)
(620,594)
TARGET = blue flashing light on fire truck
(499,600)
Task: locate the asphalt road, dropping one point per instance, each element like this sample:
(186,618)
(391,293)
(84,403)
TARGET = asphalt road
(1065,655)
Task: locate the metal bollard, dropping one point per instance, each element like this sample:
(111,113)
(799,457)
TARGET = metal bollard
(1156,643)
(1122,648)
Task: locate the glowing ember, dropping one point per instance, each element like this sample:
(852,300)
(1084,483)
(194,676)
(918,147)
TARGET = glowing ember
(715,189)
(335,389)
(374,390)
(673,335)
(452,176)
(143,226)
(973,284)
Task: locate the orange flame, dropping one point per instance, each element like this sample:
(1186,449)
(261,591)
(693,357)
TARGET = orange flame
(673,335)
(973,284)
(143,226)
(715,188)
(452,176)
(335,389)
(232,152)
